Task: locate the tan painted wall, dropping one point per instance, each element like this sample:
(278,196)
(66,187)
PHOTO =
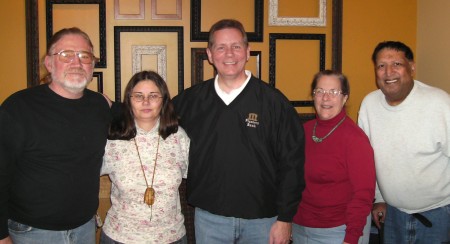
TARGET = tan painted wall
(433,38)
(13,73)
(366,23)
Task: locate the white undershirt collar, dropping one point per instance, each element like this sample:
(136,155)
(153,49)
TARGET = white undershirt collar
(229,97)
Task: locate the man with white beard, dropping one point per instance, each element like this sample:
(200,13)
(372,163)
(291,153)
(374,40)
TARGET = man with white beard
(52,140)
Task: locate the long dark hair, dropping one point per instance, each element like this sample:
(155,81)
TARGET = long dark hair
(124,128)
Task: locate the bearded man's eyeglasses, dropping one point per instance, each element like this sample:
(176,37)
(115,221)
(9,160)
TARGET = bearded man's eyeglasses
(67,56)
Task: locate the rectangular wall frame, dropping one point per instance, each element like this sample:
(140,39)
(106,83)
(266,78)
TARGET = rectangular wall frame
(275,20)
(174,16)
(118,30)
(273,37)
(118,15)
(196,19)
(101,20)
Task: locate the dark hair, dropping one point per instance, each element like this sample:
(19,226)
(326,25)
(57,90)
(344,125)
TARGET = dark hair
(395,45)
(124,128)
(58,36)
(345,86)
(227,24)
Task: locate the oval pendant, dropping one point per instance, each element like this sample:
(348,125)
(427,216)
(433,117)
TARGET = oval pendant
(149,196)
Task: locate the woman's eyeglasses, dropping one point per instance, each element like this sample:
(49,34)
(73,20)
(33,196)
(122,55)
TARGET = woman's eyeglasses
(319,92)
(139,97)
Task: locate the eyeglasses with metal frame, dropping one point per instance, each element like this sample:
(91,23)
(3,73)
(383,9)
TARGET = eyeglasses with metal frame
(67,56)
(319,92)
(139,97)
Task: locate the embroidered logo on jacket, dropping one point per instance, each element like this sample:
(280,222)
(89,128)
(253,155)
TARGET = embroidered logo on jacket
(252,120)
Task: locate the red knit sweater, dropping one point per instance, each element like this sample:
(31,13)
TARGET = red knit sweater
(340,178)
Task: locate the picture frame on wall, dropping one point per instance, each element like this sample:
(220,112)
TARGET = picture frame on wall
(312,53)
(177,15)
(119,15)
(67,13)
(276,20)
(97,82)
(197,34)
(136,46)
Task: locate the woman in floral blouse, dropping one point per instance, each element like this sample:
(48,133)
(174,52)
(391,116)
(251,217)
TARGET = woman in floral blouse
(146,158)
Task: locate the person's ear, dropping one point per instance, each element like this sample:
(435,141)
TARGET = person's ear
(209,54)
(48,63)
(413,68)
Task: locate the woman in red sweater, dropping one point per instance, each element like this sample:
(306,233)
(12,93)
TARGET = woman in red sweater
(339,169)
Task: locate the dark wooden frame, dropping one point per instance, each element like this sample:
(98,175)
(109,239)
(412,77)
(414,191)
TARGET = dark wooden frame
(99,76)
(304,116)
(196,19)
(198,55)
(32,40)
(117,65)
(336,39)
(273,37)
(102,24)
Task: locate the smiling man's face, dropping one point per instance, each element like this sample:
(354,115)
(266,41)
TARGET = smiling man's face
(394,74)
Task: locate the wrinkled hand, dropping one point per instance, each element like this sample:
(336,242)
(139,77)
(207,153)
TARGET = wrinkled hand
(6,240)
(379,213)
(280,233)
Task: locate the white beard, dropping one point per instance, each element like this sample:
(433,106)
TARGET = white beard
(74,85)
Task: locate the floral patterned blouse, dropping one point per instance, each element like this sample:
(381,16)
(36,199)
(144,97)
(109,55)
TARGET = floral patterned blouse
(130,220)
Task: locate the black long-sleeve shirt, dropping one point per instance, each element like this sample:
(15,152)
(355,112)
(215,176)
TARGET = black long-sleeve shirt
(246,158)
(51,151)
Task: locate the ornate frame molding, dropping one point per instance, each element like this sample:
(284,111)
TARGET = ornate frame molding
(275,20)
(159,50)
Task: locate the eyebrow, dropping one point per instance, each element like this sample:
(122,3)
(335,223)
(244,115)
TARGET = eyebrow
(148,93)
